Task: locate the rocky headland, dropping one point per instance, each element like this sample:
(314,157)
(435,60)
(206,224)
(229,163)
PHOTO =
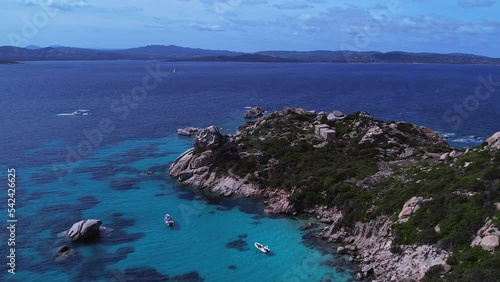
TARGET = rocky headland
(393,196)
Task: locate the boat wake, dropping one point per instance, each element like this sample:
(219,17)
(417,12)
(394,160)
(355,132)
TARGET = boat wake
(76,113)
(63,233)
(448,135)
(468,139)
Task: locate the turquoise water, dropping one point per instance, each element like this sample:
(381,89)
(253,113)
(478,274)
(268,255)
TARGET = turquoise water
(213,239)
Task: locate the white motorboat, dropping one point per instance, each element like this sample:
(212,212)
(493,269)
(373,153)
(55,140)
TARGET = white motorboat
(81,113)
(262,248)
(169,221)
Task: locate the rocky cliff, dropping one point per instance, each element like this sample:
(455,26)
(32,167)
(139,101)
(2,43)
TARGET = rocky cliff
(378,185)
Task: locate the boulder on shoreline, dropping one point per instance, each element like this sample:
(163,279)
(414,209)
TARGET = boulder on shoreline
(208,139)
(64,251)
(494,140)
(188,131)
(335,115)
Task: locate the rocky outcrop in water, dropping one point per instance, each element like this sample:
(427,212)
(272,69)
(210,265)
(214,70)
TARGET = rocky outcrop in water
(254,112)
(195,166)
(64,252)
(188,131)
(85,230)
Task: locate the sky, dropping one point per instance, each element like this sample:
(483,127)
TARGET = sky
(442,26)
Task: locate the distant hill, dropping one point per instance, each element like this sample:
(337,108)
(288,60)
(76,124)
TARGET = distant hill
(379,57)
(177,53)
(152,52)
(172,51)
(9,53)
(241,58)
(33,47)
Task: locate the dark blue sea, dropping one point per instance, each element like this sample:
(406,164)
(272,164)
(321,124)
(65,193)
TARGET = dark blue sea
(70,167)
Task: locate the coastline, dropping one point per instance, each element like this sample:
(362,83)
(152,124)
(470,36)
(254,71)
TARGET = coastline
(371,244)
(368,247)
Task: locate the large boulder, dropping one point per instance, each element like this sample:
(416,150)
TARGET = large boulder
(208,139)
(64,251)
(335,115)
(487,236)
(489,243)
(85,230)
(444,156)
(373,135)
(188,131)
(254,112)
(204,159)
(494,140)
(411,206)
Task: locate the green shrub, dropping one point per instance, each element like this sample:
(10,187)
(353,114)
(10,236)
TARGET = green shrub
(474,264)
(396,250)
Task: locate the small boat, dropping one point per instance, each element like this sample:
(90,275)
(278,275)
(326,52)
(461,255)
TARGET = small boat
(81,113)
(169,221)
(262,248)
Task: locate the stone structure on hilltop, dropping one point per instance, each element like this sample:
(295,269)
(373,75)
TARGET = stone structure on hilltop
(324,131)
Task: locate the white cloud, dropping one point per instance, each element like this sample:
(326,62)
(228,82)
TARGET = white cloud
(476,3)
(206,27)
(292,6)
(64,5)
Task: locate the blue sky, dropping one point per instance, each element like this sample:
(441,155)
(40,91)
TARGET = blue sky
(444,26)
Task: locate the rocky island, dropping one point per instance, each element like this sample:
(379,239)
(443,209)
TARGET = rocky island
(394,197)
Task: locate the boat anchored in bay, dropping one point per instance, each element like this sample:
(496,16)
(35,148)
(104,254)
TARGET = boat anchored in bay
(81,113)
(262,248)
(169,221)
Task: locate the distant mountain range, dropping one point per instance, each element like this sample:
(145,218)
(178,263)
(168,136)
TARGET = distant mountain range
(177,53)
